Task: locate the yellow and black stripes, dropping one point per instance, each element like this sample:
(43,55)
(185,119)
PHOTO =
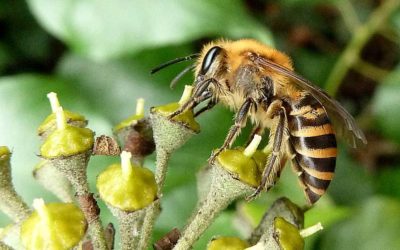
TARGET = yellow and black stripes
(314,143)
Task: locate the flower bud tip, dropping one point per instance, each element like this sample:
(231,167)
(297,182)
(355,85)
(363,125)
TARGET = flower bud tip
(60,118)
(311,230)
(53,101)
(40,207)
(140,107)
(252,147)
(126,163)
(186,94)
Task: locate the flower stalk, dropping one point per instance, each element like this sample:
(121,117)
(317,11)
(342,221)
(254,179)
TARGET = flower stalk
(136,135)
(228,184)
(68,149)
(128,190)
(54,181)
(223,191)
(10,203)
(169,135)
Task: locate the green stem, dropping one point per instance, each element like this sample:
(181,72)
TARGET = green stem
(362,35)
(349,14)
(129,226)
(74,169)
(161,168)
(371,71)
(10,202)
(13,205)
(146,231)
(223,190)
(154,210)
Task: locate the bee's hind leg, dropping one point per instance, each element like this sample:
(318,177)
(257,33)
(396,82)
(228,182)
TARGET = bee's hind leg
(240,122)
(273,166)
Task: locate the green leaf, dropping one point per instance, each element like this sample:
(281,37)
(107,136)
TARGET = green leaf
(395,21)
(374,225)
(386,104)
(103,29)
(387,182)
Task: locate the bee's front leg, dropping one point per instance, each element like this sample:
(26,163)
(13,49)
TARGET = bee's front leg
(234,131)
(200,94)
(209,106)
(191,103)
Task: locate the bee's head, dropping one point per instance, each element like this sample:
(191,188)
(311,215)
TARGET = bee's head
(209,63)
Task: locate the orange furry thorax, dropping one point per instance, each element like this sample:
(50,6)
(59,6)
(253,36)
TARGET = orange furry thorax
(236,50)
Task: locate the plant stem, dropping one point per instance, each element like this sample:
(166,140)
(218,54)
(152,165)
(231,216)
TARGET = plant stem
(129,226)
(153,211)
(349,14)
(161,168)
(10,203)
(224,189)
(13,205)
(146,231)
(74,168)
(51,179)
(371,71)
(362,35)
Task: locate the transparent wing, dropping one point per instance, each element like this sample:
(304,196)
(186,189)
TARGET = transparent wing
(344,123)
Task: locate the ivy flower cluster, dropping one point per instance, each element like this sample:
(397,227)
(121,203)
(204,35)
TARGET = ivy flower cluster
(131,191)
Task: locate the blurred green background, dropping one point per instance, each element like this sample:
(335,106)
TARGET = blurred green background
(97,56)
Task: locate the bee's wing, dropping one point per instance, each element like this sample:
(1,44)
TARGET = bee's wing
(344,123)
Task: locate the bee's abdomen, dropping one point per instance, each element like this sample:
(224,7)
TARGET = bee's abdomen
(314,143)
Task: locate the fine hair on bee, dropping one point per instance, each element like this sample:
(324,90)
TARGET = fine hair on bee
(259,84)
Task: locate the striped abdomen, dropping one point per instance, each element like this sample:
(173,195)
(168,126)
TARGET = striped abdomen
(314,144)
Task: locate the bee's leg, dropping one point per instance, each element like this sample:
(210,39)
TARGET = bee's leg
(200,94)
(272,168)
(257,130)
(240,122)
(209,106)
(191,103)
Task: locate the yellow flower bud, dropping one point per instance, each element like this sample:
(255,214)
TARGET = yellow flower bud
(66,142)
(227,243)
(53,226)
(235,162)
(288,235)
(72,118)
(186,118)
(126,186)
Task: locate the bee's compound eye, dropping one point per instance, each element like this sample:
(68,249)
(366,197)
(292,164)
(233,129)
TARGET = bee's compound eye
(209,59)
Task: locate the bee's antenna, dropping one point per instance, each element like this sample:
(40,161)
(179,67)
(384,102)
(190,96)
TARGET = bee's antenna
(180,75)
(176,60)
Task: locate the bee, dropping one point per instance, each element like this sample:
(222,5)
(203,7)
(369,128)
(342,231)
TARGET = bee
(258,83)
